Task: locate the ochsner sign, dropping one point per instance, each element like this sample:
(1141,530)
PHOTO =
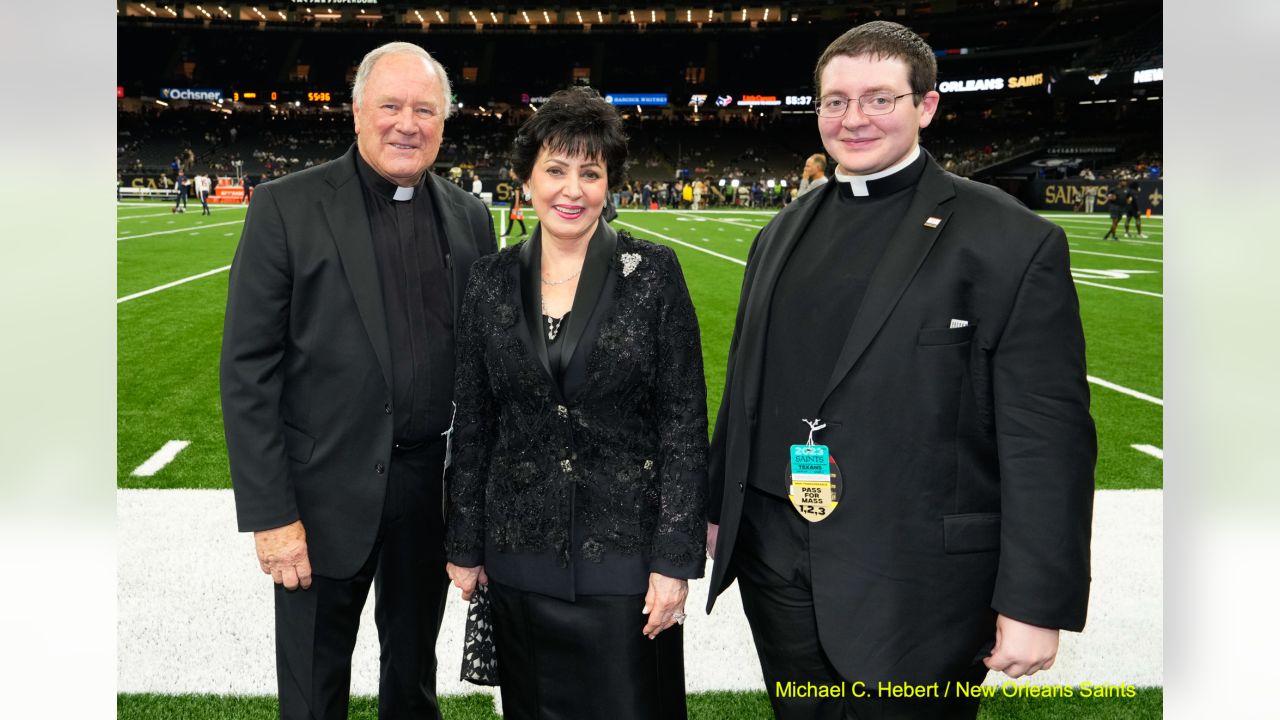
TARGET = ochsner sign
(190,94)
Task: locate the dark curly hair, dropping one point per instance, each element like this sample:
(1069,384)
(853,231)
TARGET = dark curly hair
(576,122)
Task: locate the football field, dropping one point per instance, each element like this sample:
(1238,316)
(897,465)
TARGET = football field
(172,287)
(171,294)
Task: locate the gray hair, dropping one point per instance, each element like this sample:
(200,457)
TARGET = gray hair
(401,48)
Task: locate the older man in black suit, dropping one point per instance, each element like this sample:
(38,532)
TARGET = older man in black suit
(902,468)
(337,385)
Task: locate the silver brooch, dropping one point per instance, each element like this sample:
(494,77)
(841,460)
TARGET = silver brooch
(629,263)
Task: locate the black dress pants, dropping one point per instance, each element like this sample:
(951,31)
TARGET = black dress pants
(775,581)
(316,628)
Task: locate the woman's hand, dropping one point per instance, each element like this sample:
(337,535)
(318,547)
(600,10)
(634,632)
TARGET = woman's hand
(664,603)
(465,578)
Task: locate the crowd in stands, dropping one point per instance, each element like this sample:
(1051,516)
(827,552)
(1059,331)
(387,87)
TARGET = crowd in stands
(743,160)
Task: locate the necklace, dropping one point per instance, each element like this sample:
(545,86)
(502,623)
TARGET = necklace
(561,282)
(553,324)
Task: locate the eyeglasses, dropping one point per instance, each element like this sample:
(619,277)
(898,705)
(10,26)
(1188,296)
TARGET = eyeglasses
(880,103)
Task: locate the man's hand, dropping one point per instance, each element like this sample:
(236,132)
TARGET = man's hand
(466,578)
(713,534)
(1022,649)
(663,602)
(282,554)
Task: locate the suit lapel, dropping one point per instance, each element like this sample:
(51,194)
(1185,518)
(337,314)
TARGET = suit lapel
(776,244)
(528,298)
(459,252)
(908,248)
(586,300)
(349,225)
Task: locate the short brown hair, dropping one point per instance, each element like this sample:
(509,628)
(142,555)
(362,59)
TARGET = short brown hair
(882,39)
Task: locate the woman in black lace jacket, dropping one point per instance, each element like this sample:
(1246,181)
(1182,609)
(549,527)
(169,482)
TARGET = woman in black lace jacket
(577,490)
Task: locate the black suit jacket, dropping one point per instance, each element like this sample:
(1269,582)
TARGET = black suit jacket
(306,368)
(606,470)
(968,453)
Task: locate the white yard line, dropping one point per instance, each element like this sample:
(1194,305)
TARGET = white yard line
(1112,255)
(1151,450)
(1113,287)
(175,283)
(681,242)
(1127,391)
(180,230)
(211,632)
(1142,242)
(122,218)
(162,457)
(740,224)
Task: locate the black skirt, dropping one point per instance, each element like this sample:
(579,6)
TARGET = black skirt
(584,660)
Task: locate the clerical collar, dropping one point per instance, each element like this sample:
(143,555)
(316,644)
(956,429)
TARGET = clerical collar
(381,186)
(887,181)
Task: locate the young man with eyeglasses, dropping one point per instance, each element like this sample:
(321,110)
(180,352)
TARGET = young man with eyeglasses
(902,466)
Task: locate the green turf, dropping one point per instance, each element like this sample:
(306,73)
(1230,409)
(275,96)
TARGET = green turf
(168,342)
(1148,703)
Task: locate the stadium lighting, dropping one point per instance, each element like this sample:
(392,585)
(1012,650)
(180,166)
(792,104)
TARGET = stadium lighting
(795,18)
(415,12)
(688,15)
(766,14)
(721,183)
(633,15)
(493,16)
(171,10)
(439,16)
(473,16)
(711,14)
(770,183)
(161,102)
(735,182)
(600,15)
(526,17)
(653,16)
(579,16)
(546,17)
(744,14)
(783,183)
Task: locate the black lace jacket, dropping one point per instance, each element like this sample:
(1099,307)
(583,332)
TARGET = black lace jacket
(613,465)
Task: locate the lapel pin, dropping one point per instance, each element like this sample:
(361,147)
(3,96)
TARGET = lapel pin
(933,222)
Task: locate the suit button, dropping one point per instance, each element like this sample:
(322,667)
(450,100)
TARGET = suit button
(741,487)
(387,408)
(566,466)
(562,411)
(378,468)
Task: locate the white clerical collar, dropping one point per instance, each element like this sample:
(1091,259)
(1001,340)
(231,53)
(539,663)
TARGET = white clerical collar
(403,193)
(858,183)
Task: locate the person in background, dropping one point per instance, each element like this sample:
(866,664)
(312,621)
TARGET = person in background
(1132,210)
(517,206)
(337,389)
(203,186)
(1112,201)
(180,186)
(814,174)
(577,491)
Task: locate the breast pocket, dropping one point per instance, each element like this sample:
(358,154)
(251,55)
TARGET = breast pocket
(946,336)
